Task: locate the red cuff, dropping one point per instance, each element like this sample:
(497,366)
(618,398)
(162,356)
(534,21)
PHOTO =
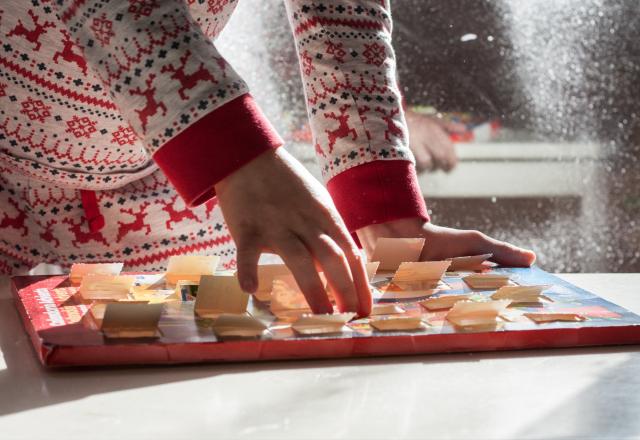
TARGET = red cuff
(214,147)
(378,192)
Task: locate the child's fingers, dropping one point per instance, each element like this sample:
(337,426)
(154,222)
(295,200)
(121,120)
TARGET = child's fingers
(335,267)
(300,262)
(247,263)
(338,231)
(507,254)
(356,265)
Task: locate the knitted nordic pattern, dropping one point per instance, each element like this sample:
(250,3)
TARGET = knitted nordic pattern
(91,89)
(146,223)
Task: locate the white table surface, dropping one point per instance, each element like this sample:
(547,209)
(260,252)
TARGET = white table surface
(566,393)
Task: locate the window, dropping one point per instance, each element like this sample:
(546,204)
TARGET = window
(548,93)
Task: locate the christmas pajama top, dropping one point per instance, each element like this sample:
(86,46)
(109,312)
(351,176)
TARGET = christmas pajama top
(118,117)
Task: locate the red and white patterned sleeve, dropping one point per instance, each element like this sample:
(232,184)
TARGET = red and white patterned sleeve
(355,109)
(188,106)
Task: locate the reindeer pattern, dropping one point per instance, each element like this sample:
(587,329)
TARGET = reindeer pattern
(47,233)
(343,130)
(139,87)
(146,85)
(175,215)
(151,106)
(82,234)
(70,53)
(139,223)
(393,124)
(189,80)
(33,31)
(17,221)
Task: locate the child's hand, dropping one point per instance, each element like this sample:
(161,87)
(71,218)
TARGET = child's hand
(442,243)
(273,204)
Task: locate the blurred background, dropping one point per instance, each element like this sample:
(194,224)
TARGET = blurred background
(524,116)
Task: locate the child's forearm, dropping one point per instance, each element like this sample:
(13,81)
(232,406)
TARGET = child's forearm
(354,105)
(190,109)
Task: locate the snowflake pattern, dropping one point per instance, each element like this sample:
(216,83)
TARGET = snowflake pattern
(91,144)
(81,127)
(141,8)
(374,54)
(337,50)
(123,136)
(36,110)
(102,29)
(216,6)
